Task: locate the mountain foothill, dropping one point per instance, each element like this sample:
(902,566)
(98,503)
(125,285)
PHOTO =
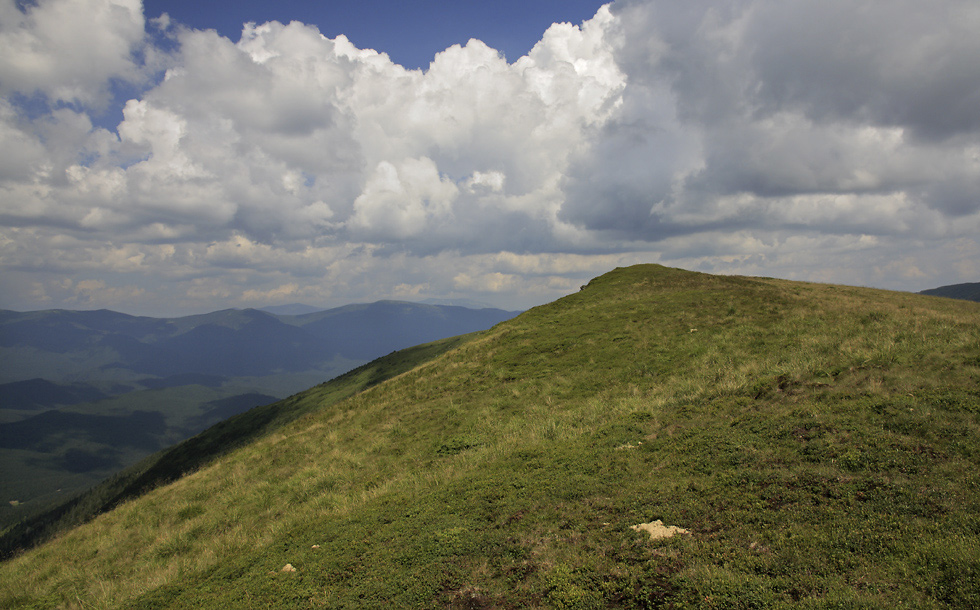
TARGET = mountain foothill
(659,439)
(86,393)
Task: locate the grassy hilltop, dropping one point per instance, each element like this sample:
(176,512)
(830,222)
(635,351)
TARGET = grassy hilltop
(819,443)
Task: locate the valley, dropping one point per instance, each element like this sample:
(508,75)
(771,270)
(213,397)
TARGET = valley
(84,394)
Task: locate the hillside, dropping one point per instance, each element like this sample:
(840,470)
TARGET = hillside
(85,393)
(969,292)
(819,444)
(235,431)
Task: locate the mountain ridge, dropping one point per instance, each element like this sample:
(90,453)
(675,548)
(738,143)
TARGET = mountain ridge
(816,442)
(968,291)
(291,309)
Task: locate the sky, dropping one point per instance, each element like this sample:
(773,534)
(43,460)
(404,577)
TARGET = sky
(169,158)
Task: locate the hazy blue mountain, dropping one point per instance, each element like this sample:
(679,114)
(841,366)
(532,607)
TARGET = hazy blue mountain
(292,309)
(84,393)
(173,381)
(366,331)
(62,330)
(229,343)
(966,292)
(245,343)
(469,303)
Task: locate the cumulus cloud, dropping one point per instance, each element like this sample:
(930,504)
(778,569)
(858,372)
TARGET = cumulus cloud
(398,202)
(68,49)
(815,116)
(808,139)
(287,134)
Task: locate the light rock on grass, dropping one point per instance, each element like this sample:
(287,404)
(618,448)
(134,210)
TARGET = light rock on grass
(288,568)
(658,530)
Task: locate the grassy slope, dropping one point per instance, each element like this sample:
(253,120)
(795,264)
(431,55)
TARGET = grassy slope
(820,443)
(189,455)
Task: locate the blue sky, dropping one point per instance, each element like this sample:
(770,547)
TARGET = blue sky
(182,165)
(411,33)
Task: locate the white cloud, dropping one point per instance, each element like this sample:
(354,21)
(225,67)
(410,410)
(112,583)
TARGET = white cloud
(398,202)
(801,115)
(69,49)
(801,138)
(278,294)
(21,152)
(485,182)
(287,134)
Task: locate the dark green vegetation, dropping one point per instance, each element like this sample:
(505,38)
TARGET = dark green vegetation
(821,443)
(86,393)
(969,292)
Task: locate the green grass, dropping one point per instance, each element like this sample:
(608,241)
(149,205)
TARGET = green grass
(39,477)
(190,455)
(819,442)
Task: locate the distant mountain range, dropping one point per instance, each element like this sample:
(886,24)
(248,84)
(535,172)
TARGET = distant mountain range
(103,345)
(967,292)
(298,309)
(459,303)
(292,309)
(84,393)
